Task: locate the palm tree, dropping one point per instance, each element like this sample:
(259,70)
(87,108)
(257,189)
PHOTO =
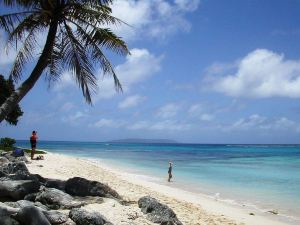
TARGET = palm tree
(76,38)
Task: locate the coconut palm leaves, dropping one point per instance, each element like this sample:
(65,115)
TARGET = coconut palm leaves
(81,36)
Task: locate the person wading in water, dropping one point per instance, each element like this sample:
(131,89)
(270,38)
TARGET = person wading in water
(170,171)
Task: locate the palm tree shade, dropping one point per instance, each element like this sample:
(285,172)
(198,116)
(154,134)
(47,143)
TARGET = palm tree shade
(76,38)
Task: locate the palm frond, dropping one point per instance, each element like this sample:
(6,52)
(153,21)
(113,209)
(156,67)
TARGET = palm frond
(97,55)
(24,55)
(19,33)
(22,3)
(98,16)
(8,21)
(78,63)
(55,64)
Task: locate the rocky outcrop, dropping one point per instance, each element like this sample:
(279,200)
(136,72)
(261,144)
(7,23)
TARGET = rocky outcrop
(84,217)
(158,212)
(7,220)
(83,187)
(3,160)
(17,189)
(55,217)
(55,183)
(56,199)
(13,167)
(31,215)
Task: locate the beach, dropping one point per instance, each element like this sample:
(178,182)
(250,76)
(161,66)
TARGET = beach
(190,208)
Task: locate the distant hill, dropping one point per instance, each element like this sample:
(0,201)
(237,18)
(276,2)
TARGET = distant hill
(141,140)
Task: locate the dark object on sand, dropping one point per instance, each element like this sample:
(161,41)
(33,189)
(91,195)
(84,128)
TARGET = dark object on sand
(83,187)
(158,212)
(84,217)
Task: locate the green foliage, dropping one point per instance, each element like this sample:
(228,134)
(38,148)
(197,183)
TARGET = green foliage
(7,143)
(41,152)
(7,88)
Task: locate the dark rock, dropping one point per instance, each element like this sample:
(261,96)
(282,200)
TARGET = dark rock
(157,212)
(84,217)
(31,215)
(56,199)
(69,222)
(13,167)
(6,210)
(22,175)
(83,187)
(24,203)
(31,197)
(56,217)
(17,189)
(54,183)
(7,220)
(3,160)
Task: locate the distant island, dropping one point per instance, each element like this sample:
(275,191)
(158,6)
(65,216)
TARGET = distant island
(141,140)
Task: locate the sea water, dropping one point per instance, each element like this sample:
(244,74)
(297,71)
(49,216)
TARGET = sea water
(262,176)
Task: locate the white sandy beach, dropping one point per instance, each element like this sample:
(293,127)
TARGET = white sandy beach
(191,208)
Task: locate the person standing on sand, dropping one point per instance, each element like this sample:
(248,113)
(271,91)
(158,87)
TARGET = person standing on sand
(170,171)
(33,140)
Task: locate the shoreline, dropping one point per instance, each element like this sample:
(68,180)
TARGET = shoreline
(191,208)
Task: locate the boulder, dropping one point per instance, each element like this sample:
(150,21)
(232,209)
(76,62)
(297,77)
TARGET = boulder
(69,222)
(17,189)
(83,187)
(24,203)
(158,212)
(84,217)
(6,210)
(56,199)
(23,175)
(31,197)
(56,217)
(7,220)
(55,183)
(13,167)
(3,160)
(31,215)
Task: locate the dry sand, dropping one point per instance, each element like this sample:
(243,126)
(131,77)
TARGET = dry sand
(191,208)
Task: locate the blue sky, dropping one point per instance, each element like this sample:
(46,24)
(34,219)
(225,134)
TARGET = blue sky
(203,71)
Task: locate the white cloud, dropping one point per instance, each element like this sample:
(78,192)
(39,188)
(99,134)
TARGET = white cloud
(170,125)
(207,117)
(152,18)
(195,109)
(261,74)
(64,81)
(108,123)
(139,66)
(131,101)
(139,125)
(168,110)
(258,122)
(188,5)
(199,111)
(165,125)
(74,118)
(67,106)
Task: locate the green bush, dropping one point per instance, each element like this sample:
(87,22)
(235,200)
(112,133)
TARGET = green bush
(7,143)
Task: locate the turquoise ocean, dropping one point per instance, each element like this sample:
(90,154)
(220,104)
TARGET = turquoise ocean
(266,177)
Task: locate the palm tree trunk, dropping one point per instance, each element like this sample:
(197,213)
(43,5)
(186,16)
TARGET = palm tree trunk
(25,87)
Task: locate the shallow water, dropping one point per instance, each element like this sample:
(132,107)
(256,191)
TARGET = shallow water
(265,176)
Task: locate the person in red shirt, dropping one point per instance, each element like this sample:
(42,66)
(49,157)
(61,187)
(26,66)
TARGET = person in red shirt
(33,140)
